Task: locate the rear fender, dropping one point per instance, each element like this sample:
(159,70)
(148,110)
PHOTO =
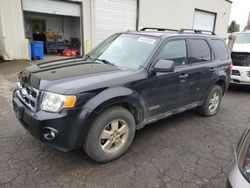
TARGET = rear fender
(221,78)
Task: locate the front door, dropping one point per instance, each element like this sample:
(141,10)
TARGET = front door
(164,91)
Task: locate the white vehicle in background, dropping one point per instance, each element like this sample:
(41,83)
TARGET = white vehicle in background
(241,58)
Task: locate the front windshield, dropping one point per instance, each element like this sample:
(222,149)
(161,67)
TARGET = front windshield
(242,38)
(125,50)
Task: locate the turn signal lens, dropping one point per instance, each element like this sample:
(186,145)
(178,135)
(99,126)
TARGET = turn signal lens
(69,101)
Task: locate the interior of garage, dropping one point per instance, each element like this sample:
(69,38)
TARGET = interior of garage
(53,26)
(59,34)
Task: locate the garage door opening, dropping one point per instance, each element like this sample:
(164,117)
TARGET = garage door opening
(204,20)
(57,25)
(113,16)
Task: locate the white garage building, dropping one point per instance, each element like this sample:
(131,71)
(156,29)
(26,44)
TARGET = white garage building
(85,23)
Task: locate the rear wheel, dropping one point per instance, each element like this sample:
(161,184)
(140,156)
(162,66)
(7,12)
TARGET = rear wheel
(110,134)
(212,102)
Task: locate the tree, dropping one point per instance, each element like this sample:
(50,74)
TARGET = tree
(247,27)
(233,27)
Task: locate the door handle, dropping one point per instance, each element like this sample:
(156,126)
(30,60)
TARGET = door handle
(212,69)
(184,76)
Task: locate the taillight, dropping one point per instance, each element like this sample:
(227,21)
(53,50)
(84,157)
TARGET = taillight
(231,68)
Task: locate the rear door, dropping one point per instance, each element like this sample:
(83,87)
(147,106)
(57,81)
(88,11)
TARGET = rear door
(202,70)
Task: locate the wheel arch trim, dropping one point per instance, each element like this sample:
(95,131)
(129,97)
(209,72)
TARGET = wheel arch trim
(116,96)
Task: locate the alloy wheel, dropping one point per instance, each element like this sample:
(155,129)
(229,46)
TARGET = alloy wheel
(214,102)
(114,136)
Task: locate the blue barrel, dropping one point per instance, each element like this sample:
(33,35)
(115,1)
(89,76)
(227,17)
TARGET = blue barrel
(37,50)
(29,51)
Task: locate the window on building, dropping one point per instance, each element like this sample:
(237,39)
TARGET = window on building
(220,49)
(175,51)
(200,51)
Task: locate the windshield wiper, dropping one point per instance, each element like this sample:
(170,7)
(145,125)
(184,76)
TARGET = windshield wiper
(105,62)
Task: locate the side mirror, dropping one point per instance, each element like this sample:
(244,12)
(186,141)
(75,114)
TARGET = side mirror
(163,66)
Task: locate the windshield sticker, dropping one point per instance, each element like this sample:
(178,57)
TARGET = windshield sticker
(146,40)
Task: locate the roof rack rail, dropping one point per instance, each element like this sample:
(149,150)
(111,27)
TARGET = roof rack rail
(196,31)
(157,29)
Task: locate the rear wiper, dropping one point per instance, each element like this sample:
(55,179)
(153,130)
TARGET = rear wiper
(105,61)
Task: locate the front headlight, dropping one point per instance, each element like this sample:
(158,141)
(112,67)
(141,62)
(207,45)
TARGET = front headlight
(243,154)
(54,102)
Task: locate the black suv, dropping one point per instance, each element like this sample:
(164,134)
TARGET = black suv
(129,80)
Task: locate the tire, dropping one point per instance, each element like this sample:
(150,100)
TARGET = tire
(104,142)
(205,109)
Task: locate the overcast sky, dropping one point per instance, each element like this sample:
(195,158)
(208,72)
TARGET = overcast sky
(240,11)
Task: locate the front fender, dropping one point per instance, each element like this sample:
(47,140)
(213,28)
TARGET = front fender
(106,95)
(110,96)
(118,94)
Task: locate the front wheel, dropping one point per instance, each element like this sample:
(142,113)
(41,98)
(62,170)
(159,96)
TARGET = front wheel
(110,134)
(212,102)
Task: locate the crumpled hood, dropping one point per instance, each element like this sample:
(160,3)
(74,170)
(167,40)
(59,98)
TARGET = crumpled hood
(241,47)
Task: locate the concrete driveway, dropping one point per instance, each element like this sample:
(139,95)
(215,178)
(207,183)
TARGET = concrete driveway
(186,150)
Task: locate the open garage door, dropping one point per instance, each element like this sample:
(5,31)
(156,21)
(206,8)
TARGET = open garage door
(114,16)
(204,20)
(52,7)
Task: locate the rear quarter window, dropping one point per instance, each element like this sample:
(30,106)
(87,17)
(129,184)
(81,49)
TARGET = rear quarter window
(220,49)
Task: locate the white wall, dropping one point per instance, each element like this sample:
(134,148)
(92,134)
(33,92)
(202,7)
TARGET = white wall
(180,13)
(1,35)
(88,17)
(12,42)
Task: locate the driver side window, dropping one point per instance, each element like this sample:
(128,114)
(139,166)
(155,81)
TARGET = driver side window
(175,51)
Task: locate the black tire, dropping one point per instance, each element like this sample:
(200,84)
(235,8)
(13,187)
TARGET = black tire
(92,144)
(204,109)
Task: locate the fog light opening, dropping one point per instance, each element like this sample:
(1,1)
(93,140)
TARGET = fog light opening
(49,133)
(248,74)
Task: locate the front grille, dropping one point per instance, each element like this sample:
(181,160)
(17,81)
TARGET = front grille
(236,72)
(28,95)
(240,59)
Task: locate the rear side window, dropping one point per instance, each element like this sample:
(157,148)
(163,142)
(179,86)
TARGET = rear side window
(220,49)
(200,51)
(175,51)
